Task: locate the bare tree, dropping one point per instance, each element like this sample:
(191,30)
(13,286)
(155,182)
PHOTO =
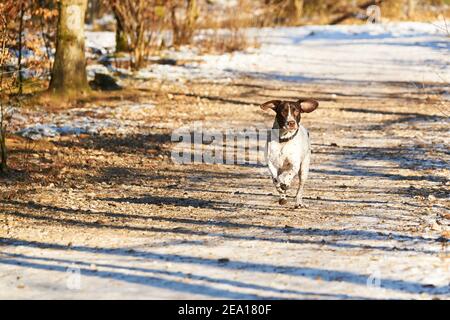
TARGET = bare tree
(8,11)
(184,15)
(295,8)
(69,69)
(3,150)
(411,8)
(121,37)
(286,11)
(19,60)
(93,10)
(138,23)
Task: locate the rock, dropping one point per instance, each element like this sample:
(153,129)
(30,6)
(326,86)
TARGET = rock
(104,82)
(167,61)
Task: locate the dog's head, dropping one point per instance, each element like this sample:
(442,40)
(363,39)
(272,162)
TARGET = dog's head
(289,113)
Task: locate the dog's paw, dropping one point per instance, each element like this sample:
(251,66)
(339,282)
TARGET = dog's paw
(301,205)
(276,183)
(282,201)
(281,187)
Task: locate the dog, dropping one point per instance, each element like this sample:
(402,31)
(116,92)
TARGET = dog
(289,147)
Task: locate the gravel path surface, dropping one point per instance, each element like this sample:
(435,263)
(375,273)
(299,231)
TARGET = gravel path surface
(111,216)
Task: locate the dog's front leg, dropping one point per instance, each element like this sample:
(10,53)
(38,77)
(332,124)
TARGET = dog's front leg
(278,185)
(287,176)
(285,180)
(274,173)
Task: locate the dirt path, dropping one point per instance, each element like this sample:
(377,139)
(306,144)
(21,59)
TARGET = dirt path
(116,214)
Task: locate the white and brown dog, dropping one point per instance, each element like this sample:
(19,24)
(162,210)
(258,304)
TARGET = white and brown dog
(289,147)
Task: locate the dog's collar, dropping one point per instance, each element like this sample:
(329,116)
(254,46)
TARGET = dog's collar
(283,140)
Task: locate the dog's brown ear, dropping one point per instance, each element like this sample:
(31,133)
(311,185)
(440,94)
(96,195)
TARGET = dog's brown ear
(308,105)
(272,104)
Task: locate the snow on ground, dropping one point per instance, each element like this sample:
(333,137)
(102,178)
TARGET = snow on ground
(407,51)
(378,52)
(102,40)
(90,120)
(135,227)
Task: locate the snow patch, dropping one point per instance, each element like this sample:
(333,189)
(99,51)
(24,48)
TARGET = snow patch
(406,51)
(104,41)
(123,119)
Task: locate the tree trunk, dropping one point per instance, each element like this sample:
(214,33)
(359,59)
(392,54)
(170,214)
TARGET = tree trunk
(3,151)
(295,11)
(184,28)
(93,11)
(352,14)
(286,11)
(192,15)
(121,37)
(175,25)
(19,59)
(411,8)
(69,68)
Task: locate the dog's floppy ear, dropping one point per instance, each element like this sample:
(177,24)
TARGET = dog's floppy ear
(307,105)
(272,104)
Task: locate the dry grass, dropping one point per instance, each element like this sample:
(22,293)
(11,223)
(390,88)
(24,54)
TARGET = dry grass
(227,34)
(323,11)
(225,41)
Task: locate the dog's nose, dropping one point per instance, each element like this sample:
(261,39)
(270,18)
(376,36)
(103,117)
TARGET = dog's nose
(291,123)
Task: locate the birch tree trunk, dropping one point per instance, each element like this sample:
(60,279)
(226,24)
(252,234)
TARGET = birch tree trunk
(69,68)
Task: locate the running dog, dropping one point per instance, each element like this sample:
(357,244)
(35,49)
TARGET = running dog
(289,147)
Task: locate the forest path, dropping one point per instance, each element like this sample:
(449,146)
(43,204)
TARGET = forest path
(137,226)
(111,216)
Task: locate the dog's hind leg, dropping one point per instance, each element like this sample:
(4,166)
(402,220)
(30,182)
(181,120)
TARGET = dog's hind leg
(302,177)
